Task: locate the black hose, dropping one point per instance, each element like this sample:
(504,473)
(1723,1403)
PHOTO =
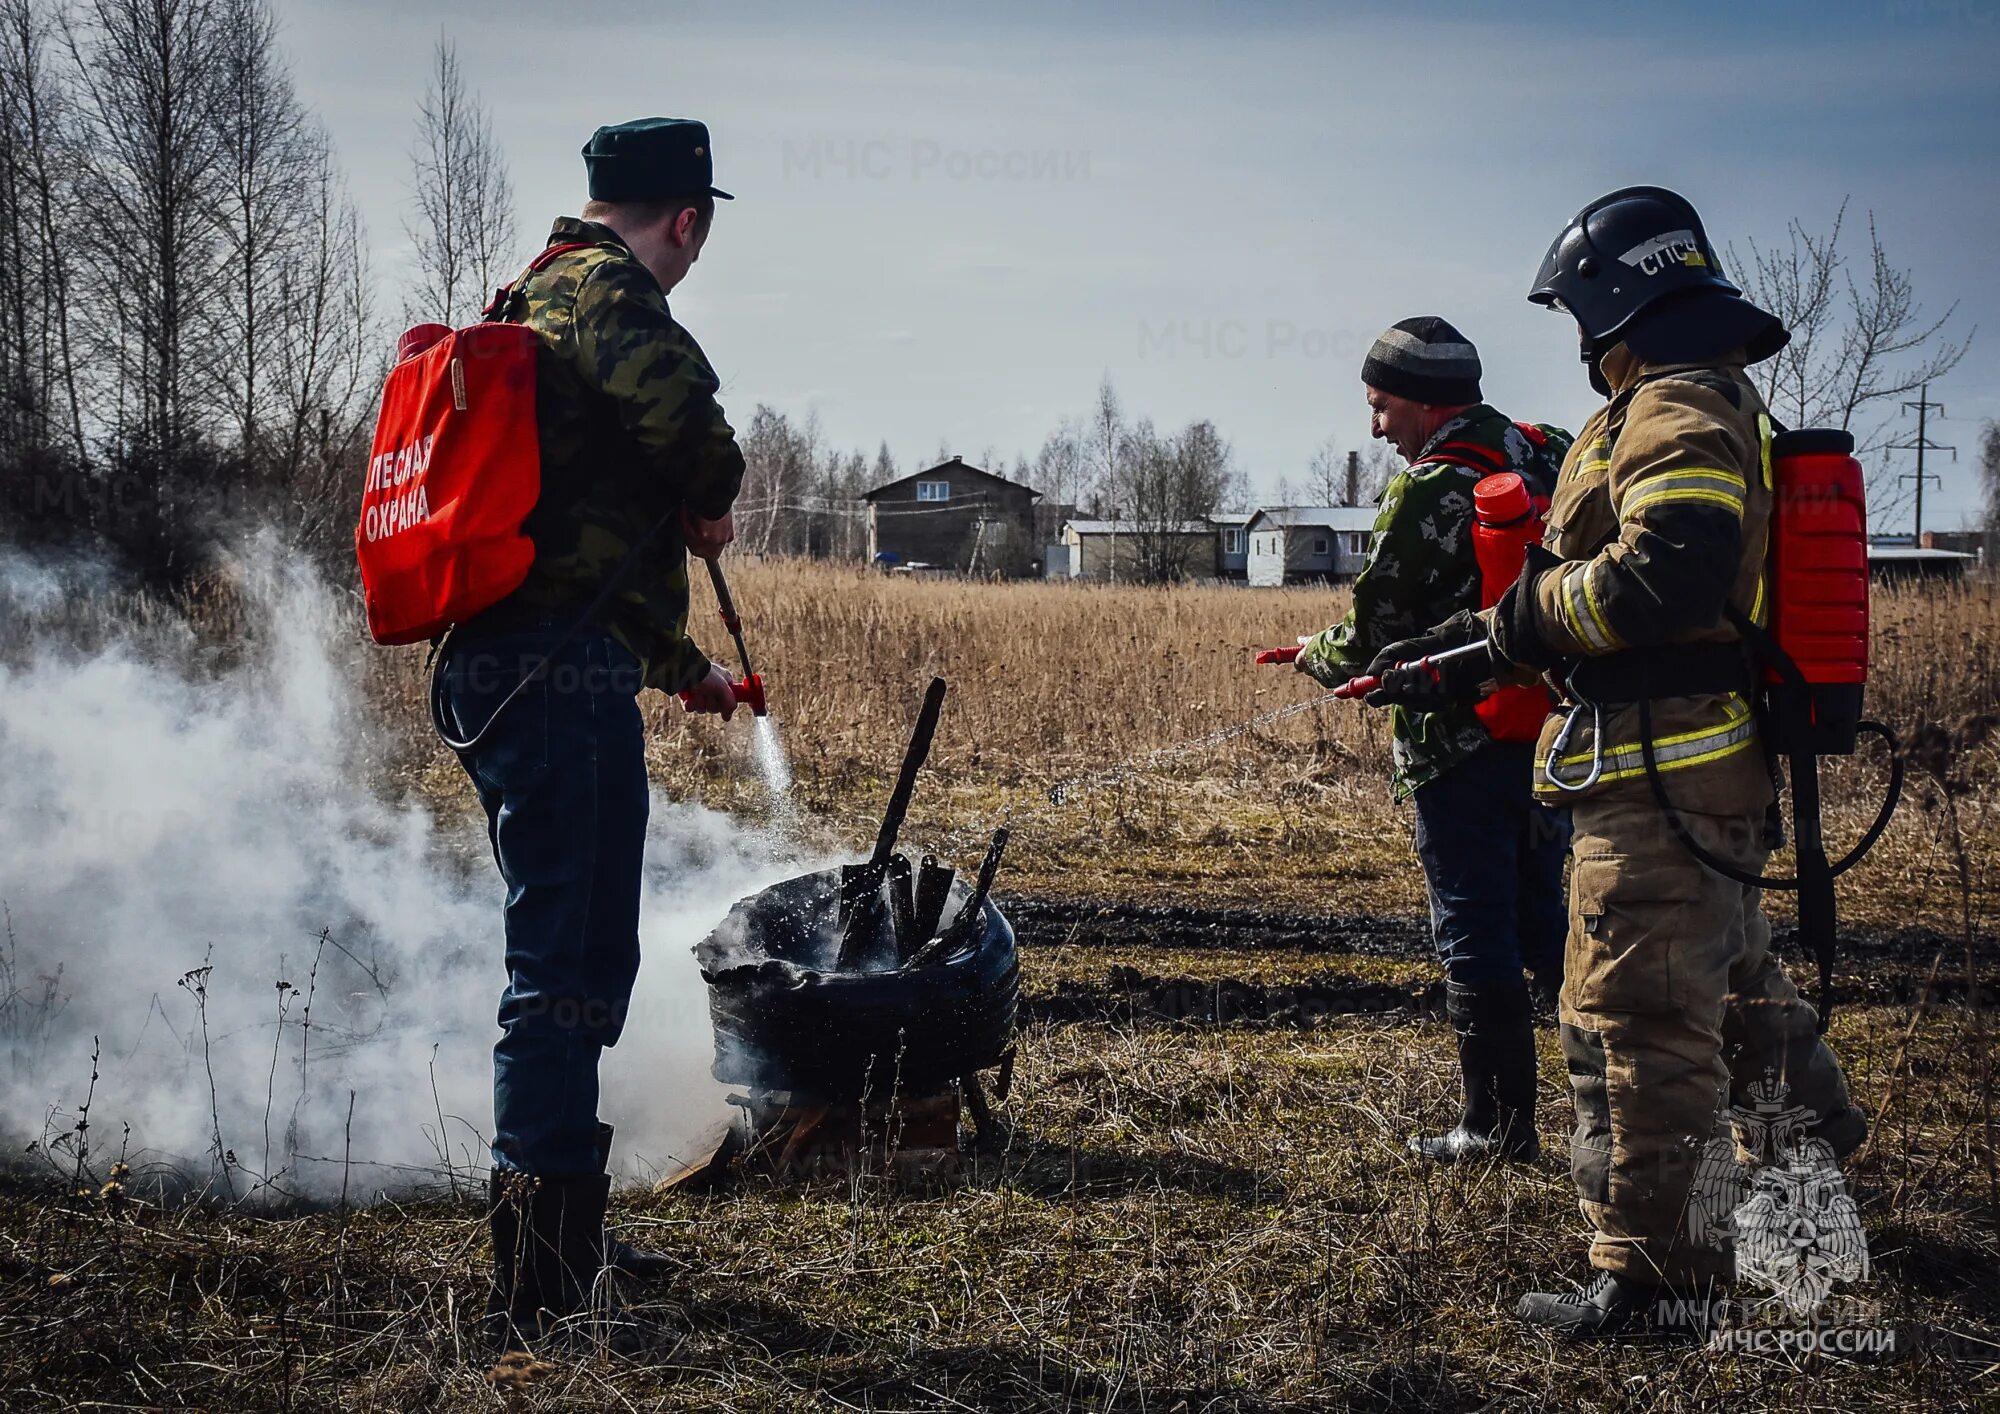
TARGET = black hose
(1784,883)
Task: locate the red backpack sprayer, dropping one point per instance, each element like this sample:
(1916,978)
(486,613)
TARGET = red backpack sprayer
(454,471)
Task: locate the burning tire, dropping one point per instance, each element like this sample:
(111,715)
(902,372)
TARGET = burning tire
(787,1018)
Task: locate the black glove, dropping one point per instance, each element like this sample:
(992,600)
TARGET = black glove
(1437,685)
(1517,635)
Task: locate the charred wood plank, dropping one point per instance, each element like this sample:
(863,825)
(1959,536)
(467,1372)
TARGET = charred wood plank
(903,907)
(933,893)
(861,908)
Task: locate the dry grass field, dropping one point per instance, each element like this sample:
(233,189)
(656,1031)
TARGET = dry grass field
(1120,694)
(1201,1202)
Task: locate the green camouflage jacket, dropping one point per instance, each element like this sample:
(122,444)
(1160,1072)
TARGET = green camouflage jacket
(1420,571)
(630,433)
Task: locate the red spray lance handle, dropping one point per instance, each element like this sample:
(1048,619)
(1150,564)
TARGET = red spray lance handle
(1278,655)
(1361,687)
(749,693)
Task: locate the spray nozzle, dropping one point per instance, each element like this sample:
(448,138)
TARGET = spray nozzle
(749,693)
(1430,663)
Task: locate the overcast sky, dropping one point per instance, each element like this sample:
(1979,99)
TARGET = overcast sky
(954,219)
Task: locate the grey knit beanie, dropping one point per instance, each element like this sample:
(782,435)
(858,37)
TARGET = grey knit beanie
(1425,360)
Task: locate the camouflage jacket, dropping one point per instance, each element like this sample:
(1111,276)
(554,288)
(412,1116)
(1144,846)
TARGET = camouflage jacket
(630,433)
(1420,571)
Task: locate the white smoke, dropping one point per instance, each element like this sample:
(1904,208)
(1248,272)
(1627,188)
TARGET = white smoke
(159,818)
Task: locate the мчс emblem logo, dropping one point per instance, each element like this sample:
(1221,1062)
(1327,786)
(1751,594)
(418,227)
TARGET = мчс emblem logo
(1780,1204)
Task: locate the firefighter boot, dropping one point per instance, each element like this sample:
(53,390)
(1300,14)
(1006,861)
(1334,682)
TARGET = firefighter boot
(1615,1306)
(549,1261)
(1496,1056)
(548,1252)
(623,1257)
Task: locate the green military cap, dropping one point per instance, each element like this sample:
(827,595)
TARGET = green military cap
(649,158)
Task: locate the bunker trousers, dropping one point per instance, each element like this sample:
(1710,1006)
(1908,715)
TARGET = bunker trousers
(1672,1006)
(562,778)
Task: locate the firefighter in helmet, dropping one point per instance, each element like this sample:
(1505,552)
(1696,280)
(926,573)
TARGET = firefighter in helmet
(1672,1003)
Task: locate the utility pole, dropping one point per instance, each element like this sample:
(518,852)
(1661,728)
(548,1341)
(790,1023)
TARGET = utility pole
(1353,479)
(1923,444)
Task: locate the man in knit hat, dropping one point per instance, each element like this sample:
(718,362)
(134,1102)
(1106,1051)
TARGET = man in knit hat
(1492,857)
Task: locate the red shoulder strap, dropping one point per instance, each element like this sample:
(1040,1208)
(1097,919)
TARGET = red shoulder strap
(505,294)
(552,252)
(1460,453)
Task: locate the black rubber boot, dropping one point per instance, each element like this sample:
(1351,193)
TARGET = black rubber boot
(1496,1059)
(1615,1306)
(623,1257)
(548,1250)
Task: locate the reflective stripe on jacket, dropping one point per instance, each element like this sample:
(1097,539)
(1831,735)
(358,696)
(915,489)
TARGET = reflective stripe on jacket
(1662,510)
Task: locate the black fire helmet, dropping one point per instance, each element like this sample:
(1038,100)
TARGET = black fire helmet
(1636,267)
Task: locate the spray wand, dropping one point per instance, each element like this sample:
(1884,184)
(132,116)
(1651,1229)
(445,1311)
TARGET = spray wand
(750,691)
(1362,686)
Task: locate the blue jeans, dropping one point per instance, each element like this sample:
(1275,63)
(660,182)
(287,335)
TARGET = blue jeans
(1493,861)
(562,776)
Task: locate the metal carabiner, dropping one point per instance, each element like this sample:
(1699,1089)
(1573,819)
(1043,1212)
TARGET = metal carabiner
(1561,744)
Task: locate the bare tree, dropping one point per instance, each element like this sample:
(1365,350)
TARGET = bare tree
(1857,343)
(149,86)
(326,360)
(1104,436)
(1379,465)
(1346,478)
(1175,485)
(40,406)
(1326,474)
(463,222)
(780,471)
(269,152)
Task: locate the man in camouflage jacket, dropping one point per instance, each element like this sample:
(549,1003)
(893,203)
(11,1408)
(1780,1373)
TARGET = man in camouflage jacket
(639,468)
(1492,857)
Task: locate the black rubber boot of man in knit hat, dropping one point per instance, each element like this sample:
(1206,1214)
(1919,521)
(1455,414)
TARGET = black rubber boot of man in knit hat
(1425,360)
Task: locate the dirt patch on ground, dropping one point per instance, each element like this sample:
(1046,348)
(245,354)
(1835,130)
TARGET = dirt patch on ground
(1045,922)
(1129,995)
(1153,982)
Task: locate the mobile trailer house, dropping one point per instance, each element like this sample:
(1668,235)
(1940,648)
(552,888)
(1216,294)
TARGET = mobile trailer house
(1304,544)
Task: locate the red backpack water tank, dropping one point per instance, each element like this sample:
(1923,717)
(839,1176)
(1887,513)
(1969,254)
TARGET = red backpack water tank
(454,471)
(1819,584)
(1506,520)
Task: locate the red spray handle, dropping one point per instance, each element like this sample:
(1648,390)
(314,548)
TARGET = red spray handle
(1278,655)
(749,693)
(1361,687)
